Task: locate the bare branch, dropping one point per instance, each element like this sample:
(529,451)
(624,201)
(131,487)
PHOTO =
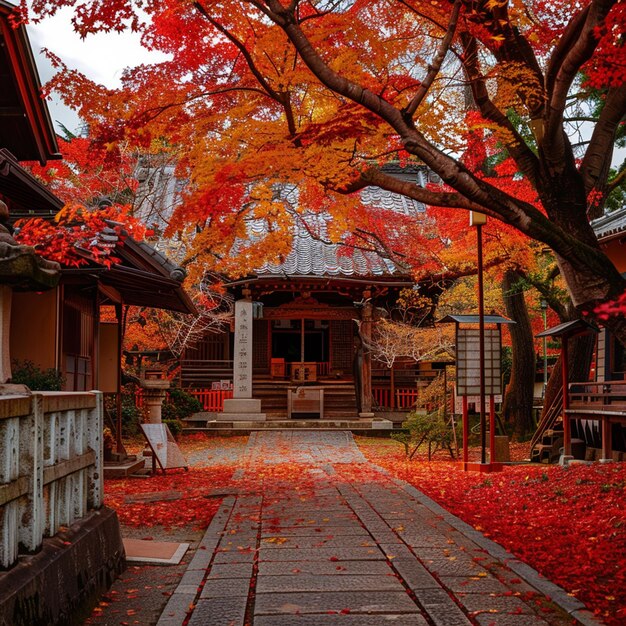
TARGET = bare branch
(597,161)
(574,50)
(435,66)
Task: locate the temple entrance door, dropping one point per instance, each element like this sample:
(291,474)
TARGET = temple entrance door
(299,340)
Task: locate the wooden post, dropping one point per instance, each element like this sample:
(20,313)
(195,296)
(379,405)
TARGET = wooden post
(392,385)
(366,364)
(492,429)
(481,332)
(465,433)
(567,438)
(607,439)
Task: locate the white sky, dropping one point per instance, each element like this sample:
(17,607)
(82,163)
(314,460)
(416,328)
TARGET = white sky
(101,57)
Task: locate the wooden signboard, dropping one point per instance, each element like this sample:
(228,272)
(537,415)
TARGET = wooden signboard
(468,362)
(165,450)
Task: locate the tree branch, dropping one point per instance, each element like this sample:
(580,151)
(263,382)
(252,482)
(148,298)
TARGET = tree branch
(433,69)
(597,161)
(521,153)
(575,48)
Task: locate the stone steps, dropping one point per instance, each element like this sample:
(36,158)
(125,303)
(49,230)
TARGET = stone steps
(358,425)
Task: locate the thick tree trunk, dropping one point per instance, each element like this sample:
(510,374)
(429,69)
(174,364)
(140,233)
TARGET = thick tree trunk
(518,400)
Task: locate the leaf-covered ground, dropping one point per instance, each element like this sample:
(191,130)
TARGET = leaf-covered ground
(569,524)
(178,498)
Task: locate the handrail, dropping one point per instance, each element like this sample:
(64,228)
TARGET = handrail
(597,394)
(548,419)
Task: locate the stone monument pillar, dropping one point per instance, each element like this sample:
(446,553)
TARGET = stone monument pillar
(242,406)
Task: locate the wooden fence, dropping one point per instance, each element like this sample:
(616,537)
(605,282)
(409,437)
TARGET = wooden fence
(211,399)
(50,466)
(404,397)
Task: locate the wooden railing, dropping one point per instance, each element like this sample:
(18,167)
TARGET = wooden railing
(608,395)
(51,466)
(212,399)
(404,397)
(604,402)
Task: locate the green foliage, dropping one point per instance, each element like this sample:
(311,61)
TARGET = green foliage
(175,426)
(179,405)
(403,437)
(419,428)
(131,415)
(35,378)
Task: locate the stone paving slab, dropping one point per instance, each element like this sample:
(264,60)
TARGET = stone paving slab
(315,531)
(321,554)
(308,543)
(370,602)
(226,588)
(485,603)
(219,611)
(231,570)
(504,619)
(296,582)
(340,620)
(333,552)
(326,568)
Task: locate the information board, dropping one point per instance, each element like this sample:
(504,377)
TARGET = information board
(164,446)
(468,362)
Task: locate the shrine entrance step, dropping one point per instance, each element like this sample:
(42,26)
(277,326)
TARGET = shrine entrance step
(368,425)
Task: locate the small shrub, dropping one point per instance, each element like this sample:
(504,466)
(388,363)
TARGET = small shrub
(35,378)
(179,405)
(419,428)
(175,426)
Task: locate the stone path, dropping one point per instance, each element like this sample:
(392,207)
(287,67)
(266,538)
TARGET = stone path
(314,548)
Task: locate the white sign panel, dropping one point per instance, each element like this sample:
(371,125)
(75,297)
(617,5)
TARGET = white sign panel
(242,383)
(468,361)
(475,400)
(163,445)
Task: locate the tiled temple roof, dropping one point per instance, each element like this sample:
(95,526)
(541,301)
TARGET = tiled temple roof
(314,255)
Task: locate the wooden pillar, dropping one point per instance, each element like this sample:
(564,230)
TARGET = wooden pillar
(6,296)
(607,442)
(567,438)
(366,363)
(392,382)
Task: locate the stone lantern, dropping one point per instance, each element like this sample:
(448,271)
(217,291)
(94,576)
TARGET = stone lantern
(155,388)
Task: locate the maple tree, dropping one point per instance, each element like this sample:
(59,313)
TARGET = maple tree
(317,93)
(89,173)
(78,235)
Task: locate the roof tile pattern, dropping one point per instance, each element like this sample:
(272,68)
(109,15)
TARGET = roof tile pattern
(314,255)
(610,224)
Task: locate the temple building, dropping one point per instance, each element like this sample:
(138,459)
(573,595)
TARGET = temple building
(304,323)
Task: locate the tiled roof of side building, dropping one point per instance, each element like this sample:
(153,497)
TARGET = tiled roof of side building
(610,224)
